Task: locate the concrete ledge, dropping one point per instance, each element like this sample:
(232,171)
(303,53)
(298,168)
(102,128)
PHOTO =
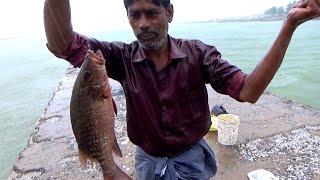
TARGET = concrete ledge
(275,134)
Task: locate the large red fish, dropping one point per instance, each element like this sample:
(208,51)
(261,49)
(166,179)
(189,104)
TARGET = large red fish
(92,113)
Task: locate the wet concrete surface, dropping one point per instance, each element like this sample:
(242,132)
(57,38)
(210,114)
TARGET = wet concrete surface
(275,134)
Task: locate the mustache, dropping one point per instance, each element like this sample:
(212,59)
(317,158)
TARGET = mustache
(144,33)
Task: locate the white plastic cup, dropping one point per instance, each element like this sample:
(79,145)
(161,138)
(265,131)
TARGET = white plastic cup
(228,129)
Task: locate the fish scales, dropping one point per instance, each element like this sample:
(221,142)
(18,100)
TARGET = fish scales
(92,114)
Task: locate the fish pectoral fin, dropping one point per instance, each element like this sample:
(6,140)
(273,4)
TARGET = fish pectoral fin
(115,107)
(116,149)
(106,91)
(84,157)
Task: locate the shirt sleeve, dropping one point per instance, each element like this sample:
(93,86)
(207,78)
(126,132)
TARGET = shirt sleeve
(76,51)
(112,52)
(223,77)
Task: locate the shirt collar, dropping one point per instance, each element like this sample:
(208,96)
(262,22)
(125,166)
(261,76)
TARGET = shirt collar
(175,51)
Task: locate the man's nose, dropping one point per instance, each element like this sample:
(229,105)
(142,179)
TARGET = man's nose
(144,22)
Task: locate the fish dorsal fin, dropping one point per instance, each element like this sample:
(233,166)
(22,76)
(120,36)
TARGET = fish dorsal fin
(116,149)
(115,107)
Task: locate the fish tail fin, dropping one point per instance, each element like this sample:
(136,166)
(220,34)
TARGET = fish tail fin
(84,157)
(117,174)
(115,148)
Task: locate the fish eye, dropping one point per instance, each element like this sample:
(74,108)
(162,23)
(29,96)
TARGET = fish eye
(87,75)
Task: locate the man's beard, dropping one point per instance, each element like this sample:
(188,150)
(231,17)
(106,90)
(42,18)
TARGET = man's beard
(150,39)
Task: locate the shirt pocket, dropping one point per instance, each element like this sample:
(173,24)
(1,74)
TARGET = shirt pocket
(197,101)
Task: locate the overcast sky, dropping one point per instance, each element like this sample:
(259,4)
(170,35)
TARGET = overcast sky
(24,17)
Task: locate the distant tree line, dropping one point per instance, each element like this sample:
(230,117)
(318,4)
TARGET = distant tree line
(280,11)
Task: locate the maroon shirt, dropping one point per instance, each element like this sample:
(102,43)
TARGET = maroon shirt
(167,111)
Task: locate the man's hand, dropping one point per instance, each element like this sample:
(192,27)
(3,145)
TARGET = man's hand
(303,11)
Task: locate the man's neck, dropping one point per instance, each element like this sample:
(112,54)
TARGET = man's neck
(160,57)
(158,54)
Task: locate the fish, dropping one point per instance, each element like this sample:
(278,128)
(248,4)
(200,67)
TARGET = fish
(92,114)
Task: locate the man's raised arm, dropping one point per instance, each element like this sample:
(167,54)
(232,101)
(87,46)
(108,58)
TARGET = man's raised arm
(58,27)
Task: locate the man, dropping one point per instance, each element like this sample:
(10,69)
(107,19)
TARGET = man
(164,82)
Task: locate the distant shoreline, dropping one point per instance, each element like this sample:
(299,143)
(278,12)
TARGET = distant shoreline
(247,19)
(9,38)
(253,19)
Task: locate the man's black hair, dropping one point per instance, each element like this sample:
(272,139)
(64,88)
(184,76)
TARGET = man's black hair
(163,3)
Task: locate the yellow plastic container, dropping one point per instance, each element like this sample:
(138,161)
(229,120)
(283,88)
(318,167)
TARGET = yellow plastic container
(214,125)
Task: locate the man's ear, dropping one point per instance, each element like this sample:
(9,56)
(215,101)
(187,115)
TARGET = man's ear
(169,12)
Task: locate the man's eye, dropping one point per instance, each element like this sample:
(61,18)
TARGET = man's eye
(134,15)
(152,13)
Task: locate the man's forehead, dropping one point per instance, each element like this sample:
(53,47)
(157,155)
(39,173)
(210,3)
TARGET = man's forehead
(148,1)
(137,4)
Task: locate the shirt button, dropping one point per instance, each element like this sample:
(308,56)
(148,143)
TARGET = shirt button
(164,108)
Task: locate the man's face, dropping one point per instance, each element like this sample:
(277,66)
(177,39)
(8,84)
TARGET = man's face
(150,23)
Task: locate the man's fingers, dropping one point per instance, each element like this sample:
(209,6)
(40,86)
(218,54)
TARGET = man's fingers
(97,59)
(299,4)
(303,4)
(307,6)
(314,7)
(318,6)
(304,10)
